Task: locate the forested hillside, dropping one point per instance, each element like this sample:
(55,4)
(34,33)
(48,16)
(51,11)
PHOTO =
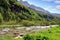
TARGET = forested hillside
(14,12)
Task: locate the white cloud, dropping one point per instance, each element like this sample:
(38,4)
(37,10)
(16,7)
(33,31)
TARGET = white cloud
(58,7)
(48,0)
(57,1)
(24,0)
(21,0)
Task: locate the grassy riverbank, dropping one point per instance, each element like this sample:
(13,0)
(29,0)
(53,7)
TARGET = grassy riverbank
(9,26)
(50,34)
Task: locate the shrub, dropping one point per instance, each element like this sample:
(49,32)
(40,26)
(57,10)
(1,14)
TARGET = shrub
(27,37)
(1,18)
(27,23)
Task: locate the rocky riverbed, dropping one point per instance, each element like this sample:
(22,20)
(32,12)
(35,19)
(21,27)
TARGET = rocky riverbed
(24,30)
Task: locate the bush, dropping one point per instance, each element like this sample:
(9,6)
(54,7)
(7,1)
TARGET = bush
(1,18)
(27,23)
(27,37)
(45,38)
(38,37)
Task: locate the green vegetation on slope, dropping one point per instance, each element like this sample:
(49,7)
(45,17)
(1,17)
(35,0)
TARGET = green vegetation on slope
(14,12)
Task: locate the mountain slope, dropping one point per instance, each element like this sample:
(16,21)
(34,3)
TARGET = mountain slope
(33,6)
(56,14)
(37,8)
(12,10)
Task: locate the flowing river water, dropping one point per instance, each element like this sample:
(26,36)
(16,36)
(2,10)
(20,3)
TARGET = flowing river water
(24,30)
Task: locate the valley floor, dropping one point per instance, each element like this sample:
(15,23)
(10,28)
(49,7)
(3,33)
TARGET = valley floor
(33,33)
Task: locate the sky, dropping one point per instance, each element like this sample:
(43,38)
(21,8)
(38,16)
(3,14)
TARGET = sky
(52,6)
